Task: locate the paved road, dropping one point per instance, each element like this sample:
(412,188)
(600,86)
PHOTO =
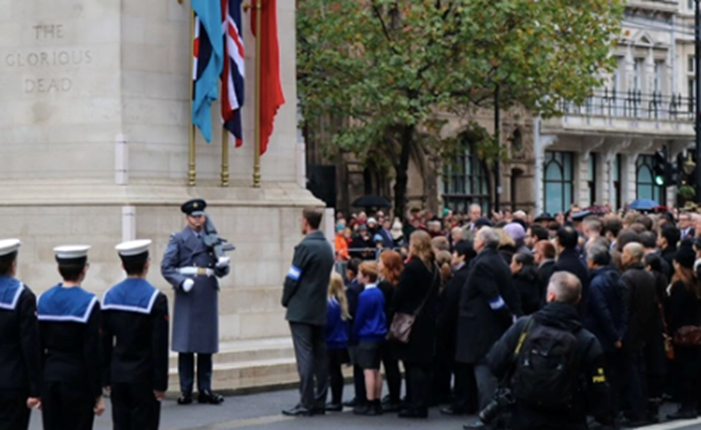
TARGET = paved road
(262,412)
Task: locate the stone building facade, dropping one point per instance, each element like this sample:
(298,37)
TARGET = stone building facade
(597,153)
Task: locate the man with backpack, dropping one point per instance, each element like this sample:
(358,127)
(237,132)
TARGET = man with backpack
(555,366)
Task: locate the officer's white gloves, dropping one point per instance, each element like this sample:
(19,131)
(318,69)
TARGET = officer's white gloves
(223,262)
(188,284)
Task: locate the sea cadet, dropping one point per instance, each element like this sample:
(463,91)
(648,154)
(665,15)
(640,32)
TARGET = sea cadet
(20,359)
(69,327)
(135,342)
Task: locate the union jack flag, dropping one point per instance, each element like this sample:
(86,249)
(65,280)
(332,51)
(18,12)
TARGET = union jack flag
(232,76)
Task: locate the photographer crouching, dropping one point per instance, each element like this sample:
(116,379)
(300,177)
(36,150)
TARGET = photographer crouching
(554,365)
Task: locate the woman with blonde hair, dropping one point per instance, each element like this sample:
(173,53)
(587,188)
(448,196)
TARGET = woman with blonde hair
(391,267)
(336,333)
(416,294)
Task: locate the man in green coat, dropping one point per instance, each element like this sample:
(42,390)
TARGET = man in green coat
(305,295)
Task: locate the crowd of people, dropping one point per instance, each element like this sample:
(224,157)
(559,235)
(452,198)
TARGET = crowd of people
(625,286)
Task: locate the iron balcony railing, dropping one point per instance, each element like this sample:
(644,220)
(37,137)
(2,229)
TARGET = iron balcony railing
(633,104)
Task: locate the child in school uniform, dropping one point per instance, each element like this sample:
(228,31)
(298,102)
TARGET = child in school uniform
(336,333)
(370,328)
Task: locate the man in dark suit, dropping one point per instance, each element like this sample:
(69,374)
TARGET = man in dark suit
(488,303)
(686,226)
(568,260)
(465,386)
(305,295)
(192,269)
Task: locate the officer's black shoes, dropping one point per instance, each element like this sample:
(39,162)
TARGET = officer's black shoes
(632,424)
(685,412)
(185,399)
(319,411)
(351,403)
(372,408)
(452,410)
(414,413)
(477,425)
(334,407)
(210,398)
(389,407)
(298,411)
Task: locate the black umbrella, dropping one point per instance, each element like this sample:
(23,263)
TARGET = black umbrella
(371,201)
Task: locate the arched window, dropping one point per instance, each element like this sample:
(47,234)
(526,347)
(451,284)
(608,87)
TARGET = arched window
(558,181)
(465,181)
(645,180)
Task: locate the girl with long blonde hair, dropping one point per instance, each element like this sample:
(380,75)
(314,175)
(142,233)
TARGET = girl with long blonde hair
(336,332)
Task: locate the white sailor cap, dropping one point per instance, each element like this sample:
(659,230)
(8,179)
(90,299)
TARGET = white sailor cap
(133,248)
(8,246)
(71,252)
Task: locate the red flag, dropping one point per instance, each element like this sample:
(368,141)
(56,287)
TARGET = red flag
(271,96)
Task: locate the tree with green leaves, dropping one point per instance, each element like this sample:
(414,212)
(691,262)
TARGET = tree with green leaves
(389,66)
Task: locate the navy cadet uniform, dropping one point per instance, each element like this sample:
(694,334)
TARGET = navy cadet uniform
(69,327)
(135,342)
(192,269)
(20,360)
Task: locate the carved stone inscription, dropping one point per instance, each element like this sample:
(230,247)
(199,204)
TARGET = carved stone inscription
(47,66)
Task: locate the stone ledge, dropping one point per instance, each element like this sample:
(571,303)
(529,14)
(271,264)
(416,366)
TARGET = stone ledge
(275,194)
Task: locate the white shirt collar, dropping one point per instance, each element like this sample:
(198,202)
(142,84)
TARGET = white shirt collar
(368,286)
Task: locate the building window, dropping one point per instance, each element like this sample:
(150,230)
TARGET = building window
(616,198)
(465,182)
(558,181)
(645,179)
(591,178)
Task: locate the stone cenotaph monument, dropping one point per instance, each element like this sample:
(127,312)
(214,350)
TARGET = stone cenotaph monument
(94,125)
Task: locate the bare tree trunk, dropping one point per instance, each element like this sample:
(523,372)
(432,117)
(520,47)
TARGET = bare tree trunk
(401,170)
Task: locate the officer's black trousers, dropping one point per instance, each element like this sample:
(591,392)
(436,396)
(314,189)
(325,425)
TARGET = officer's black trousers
(66,407)
(134,407)
(14,414)
(186,370)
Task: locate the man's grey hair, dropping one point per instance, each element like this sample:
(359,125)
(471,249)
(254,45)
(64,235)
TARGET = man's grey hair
(593,223)
(599,255)
(635,250)
(566,287)
(456,230)
(489,236)
(475,206)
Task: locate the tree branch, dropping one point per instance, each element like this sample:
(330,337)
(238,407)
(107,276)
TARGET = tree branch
(385,30)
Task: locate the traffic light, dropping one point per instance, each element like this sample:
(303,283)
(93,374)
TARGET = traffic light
(666,174)
(660,169)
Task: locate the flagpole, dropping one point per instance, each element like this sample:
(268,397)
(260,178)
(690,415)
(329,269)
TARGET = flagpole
(224,155)
(256,150)
(192,168)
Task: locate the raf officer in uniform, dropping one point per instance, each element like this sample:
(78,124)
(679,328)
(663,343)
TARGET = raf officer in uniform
(305,295)
(20,358)
(192,269)
(135,342)
(69,327)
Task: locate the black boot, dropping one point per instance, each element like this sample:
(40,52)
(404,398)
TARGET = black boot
(687,411)
(653,410)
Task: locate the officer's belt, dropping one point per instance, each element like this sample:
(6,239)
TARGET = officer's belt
(196,271)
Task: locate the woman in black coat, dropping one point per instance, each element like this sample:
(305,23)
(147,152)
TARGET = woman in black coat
(417,293)
(685,310)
